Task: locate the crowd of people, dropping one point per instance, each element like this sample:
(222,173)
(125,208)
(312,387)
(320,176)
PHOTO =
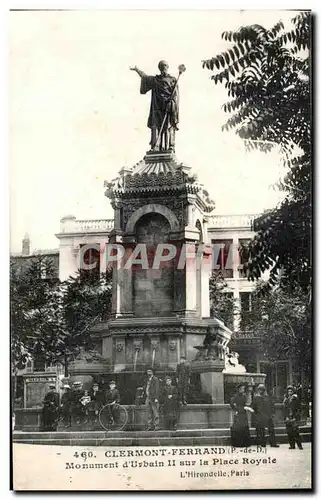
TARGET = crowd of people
(262,411)
(77,403)
(84,406)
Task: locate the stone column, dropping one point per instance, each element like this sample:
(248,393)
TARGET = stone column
(198,278)
(190,280)
(205,281)
(122,293)
(190,211)
(116,289)
(190,215)
(178,284)
(126,308)
(117,221)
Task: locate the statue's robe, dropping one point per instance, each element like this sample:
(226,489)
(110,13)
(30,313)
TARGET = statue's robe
(162,88)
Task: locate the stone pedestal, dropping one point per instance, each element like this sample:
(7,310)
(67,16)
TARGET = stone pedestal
(212,378)
(213,384)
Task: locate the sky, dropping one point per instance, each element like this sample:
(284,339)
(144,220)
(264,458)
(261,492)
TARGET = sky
(76,116)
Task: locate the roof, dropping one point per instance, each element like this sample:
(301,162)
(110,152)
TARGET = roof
(161,173)
(35,253)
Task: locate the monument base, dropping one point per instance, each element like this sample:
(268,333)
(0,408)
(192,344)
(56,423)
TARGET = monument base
(199,416)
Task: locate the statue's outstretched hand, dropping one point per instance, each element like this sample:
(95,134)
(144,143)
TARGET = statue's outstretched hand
(133,68)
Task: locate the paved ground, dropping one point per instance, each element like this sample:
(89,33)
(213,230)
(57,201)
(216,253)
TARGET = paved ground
(40,467)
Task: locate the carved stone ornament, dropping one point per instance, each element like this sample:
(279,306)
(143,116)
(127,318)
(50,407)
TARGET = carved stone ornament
(154,343)
(120,345)
(172,345)
(232,363)
(138,344)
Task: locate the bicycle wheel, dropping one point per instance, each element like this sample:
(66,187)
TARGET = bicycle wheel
(113,421)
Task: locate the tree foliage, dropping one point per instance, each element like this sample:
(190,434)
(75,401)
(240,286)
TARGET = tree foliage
(266,73)
(282,319)
(222,303)
(51,320)
(85,301)
(34,310)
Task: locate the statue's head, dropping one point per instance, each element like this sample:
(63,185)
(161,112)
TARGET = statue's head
(163,67)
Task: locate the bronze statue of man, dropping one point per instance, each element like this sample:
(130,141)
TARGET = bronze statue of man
(164,114)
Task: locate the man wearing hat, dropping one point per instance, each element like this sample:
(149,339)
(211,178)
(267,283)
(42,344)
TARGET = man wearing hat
(98,399)
(263,415)
(183,374)
(271,403)
(50,409)
(77,408)
(292,410)
(170,402)
(65,406)
(113,400)
(152,400)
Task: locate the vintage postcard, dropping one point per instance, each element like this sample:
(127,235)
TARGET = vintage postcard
(160,256)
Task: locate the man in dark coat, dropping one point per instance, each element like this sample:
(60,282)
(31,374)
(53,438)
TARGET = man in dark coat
(292,410)
(97,401)
(170,402)
(263,408)
(183,374)
(164,103)
(50,409)
(78,410)
(113,400)
(66,405)
(270,423)
(152,400)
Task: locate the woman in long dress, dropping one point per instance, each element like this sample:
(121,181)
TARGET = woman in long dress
(240,432)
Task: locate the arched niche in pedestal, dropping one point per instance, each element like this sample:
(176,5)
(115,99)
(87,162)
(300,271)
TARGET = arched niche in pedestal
(152,288)
(149,209)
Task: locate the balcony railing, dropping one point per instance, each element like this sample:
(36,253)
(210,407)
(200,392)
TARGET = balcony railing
(231,221)
(75,226)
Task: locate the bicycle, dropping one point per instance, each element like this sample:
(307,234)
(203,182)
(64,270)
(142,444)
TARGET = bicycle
(113,421)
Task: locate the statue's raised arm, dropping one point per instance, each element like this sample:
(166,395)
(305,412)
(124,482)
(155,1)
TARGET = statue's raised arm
(138,71)
(164,113)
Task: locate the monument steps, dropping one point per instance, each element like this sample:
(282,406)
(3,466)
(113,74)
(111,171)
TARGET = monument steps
(181,437)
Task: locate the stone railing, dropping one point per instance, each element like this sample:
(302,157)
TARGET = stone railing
(231,221)
(73,225)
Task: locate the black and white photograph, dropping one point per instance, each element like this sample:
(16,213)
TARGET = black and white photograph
(160,249)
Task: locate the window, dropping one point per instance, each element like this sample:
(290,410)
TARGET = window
(242,256)
(222,257)
(39,364)
(90,257)
(29,366)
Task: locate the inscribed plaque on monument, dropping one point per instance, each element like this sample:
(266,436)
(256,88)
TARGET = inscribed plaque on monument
(161,286)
